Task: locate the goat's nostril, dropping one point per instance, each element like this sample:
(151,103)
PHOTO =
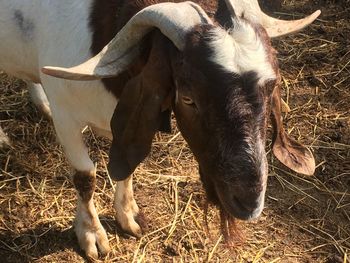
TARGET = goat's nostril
(246,205)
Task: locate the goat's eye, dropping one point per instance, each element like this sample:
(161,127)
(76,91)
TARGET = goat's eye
(187,100)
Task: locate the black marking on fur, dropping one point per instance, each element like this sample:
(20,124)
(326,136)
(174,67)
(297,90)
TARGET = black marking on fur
(223,15)
(26,26)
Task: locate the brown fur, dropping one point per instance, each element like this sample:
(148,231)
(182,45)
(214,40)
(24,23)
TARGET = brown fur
(291,153)
(85,183)
(109,16)
(229,109)
(230,229)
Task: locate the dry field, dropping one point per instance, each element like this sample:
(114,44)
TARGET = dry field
(306,219)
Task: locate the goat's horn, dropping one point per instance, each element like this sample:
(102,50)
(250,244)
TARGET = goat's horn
(174,20)
(251,10)
(278,27)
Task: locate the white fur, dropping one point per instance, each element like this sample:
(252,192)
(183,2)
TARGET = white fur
(240,50)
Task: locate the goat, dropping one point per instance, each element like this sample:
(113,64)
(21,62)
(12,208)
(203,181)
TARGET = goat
(144,59)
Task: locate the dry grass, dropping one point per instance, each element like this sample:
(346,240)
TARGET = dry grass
(306,219)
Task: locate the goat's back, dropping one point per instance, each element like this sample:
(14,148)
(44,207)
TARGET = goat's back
(39,32)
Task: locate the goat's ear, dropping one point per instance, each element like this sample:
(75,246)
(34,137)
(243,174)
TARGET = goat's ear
(141,111)
(288,151)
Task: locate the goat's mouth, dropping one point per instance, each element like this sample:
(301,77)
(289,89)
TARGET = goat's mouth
(244,203)
(236,203)
(231,207)
(240,209)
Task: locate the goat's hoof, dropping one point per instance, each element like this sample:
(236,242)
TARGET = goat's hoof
(129,225)
(126,215)
(45,109)
(4,140)
(92,241)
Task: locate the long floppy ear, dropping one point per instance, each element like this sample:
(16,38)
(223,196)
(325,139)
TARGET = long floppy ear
(288,151)
(140,111)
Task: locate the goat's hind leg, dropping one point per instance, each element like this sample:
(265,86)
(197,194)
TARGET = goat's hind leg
(90,233)
(39,98)
(4,140)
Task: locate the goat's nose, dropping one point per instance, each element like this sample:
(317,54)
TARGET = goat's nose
(246,204)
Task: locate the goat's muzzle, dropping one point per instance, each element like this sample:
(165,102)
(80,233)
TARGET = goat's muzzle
(241,203)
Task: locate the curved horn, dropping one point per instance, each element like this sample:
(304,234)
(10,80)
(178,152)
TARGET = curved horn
(174,20)
(251,10)
(278,27)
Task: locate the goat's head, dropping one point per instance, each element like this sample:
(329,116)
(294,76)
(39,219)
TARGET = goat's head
(222,83)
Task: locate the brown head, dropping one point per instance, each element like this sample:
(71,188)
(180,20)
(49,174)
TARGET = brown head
(224,82)
(220,84)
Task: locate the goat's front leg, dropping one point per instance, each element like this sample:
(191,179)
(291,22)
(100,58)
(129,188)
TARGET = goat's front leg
(90,233)
(126,207)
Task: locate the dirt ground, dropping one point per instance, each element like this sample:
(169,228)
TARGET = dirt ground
(306,219)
